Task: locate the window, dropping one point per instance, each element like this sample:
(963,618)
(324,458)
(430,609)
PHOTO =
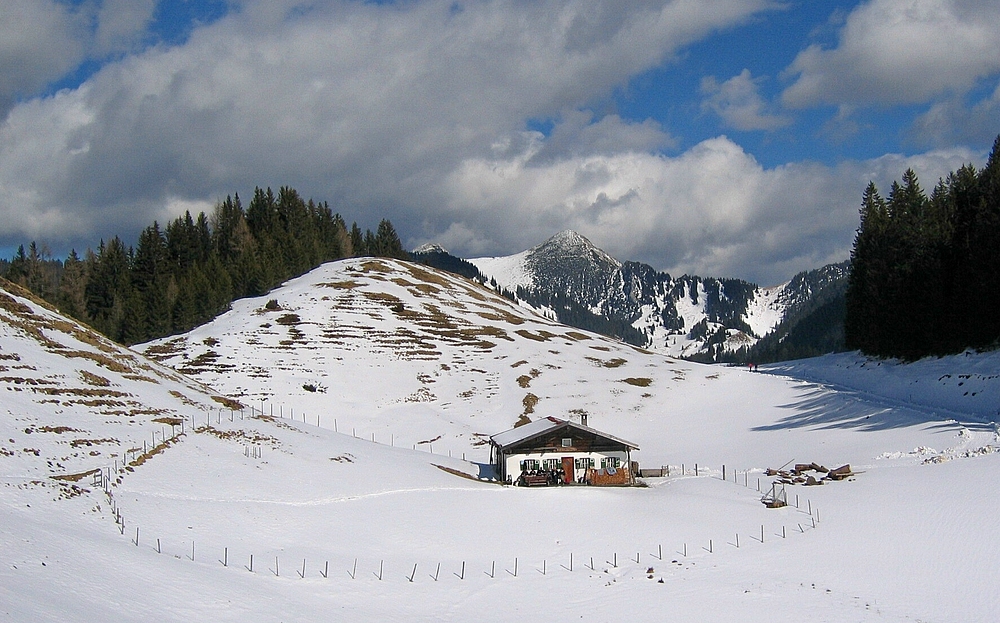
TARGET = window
(551,464)
(584,463)
(529,465)
(567,442)
(610,461)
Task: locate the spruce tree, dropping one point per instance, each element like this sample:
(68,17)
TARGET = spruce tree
(70,299)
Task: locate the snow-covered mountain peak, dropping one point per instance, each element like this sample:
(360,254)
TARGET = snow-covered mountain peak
(430,247)
(570,279)
(571,248)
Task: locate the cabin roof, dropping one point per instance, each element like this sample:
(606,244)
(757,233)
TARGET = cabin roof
(545,426)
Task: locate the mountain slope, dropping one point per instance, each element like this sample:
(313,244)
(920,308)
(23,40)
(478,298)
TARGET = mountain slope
(454,361)
(418,358)
(275,518)
(75,402)
(706,319)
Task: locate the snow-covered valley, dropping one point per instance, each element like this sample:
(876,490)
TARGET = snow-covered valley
(362,388)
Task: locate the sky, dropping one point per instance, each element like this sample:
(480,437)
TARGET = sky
(713,137)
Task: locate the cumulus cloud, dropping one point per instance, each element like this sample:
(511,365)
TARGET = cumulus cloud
(121,24)
(419,112)
(900,52)
(366,105)
(954,121)
(42,41)
(739,103)
(712,210)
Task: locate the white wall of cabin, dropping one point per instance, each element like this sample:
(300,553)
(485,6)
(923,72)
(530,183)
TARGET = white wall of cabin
(513,461)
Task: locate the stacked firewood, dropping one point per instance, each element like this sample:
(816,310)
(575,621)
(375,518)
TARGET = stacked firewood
(800,475)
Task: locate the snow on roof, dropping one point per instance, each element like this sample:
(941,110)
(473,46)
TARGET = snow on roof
(544,425)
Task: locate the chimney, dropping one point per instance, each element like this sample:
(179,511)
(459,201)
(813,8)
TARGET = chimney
(583,419)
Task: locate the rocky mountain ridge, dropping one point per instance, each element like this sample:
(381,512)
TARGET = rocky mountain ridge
(571,280)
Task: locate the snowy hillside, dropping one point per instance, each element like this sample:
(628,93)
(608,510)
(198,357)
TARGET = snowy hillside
(376,370)
(74,402)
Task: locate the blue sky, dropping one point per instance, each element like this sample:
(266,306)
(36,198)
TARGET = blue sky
(719,137)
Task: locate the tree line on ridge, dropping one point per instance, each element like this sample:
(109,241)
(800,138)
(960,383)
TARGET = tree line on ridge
(183,275)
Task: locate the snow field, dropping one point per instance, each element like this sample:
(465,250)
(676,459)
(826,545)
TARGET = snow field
(911,537)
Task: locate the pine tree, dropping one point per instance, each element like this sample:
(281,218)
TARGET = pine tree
(387,243)
(108,286)
(357,242)
(70,299)
(17,272)
(866,286)
(150,275)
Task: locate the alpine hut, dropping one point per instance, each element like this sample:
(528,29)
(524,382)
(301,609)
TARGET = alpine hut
(551,451)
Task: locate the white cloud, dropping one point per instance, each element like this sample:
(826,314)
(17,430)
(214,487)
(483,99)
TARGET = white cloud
(739,103)
(40,40)
(953,121)
(121,24)
(712,210)
(366,105)
(900,52)
(417,112)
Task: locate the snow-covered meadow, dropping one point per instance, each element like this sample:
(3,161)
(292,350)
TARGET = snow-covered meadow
(338,483)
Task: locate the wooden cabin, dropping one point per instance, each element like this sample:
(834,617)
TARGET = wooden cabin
(551,451)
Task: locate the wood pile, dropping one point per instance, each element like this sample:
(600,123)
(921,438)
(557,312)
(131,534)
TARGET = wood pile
(603,478)
(840,473)
(799,476)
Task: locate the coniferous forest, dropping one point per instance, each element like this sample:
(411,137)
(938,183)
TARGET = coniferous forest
(925,277)
(188,272)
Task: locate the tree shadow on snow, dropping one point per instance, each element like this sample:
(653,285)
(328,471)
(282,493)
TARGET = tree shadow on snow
(824,408)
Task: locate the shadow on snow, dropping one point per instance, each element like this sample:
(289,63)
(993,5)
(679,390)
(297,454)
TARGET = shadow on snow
(825,408)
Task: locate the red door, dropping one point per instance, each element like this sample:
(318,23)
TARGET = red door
(568,476)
